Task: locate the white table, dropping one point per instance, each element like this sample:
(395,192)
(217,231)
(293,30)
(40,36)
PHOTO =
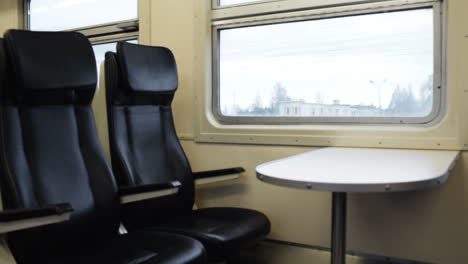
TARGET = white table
(344,170)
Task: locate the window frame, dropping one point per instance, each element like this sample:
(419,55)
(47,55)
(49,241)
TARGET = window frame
(439,90)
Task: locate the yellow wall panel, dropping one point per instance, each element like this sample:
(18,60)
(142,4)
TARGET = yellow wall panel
(428,226)
(9,18)
(9,15)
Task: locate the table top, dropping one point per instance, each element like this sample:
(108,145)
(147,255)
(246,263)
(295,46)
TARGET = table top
(360,169)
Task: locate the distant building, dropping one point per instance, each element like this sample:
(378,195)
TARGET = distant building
(301,108)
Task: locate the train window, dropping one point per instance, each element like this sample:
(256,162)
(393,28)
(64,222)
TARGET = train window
(377,66)
(55,15)
(103,29)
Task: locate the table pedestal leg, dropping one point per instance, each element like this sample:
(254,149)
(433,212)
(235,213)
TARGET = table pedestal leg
(338,248)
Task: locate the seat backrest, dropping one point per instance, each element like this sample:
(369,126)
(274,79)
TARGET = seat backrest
(140,85)
(50,152)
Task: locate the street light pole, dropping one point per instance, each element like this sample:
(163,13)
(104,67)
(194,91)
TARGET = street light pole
(379,86)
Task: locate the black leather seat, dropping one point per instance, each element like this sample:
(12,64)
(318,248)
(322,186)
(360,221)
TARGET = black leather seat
(50,154)
(140,85)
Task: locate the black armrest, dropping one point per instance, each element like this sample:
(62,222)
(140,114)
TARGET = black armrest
(25,214)
(148,188)
(217,173)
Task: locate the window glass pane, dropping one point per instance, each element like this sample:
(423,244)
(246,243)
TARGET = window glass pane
(101,49)
(236,2)
(56,15)
(373,65)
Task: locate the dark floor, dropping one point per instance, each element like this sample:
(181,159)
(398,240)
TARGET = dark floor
(294,254)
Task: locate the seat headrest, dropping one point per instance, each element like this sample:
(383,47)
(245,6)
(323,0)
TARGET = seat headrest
(51,61)
(147,69)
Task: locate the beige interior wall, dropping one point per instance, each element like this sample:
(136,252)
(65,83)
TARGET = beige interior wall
(429,225)
(9,15)
(9,18)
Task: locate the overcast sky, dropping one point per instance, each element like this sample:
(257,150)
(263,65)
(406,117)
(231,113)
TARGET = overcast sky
(68,14)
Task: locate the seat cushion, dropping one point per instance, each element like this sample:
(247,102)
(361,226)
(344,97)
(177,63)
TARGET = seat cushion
(221,230)
(134,248)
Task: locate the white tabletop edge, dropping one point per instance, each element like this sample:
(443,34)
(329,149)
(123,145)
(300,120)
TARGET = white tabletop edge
(269,172)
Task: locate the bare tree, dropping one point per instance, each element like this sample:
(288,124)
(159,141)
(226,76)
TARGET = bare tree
(280,94)
(426,95)
(403,102)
